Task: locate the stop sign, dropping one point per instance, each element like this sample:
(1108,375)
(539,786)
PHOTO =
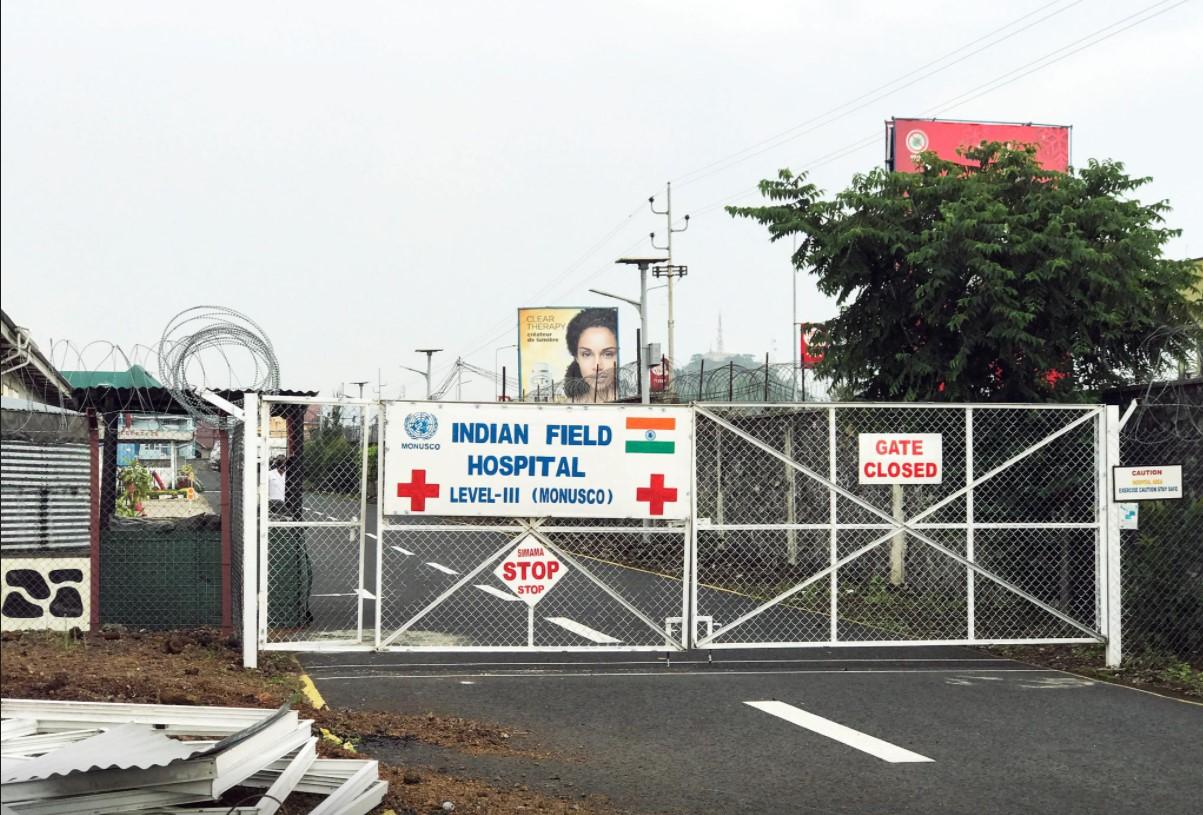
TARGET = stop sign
(530,570)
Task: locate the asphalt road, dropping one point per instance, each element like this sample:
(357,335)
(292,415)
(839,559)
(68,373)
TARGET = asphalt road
(856,730)
(983,734)
(597,601)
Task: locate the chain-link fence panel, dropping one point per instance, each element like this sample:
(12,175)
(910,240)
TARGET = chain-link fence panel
(1162,574)
(320,560)
(167,525)
(619,585)
(794,548)
(235,449)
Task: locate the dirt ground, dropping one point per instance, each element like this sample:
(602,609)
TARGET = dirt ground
(203,668)
(1170,677)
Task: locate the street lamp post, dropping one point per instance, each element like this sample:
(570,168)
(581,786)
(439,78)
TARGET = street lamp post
(641,305)
(429,352)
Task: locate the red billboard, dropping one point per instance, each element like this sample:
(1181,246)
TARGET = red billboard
(906,138)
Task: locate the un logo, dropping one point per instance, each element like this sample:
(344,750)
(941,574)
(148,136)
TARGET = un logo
(421,425)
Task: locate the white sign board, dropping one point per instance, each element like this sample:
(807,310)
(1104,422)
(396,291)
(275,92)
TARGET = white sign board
(530,570)
(1151,483)
(537,460)
(1129,515)
(900,458)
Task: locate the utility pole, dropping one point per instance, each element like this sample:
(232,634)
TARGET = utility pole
(429,352)
(668,269)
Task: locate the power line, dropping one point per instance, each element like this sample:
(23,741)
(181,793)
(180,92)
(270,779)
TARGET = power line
(596,246)
(851,106)
(990,86)
(978,91)
(593,249)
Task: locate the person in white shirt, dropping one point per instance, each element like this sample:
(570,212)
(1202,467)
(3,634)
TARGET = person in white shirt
(276,484)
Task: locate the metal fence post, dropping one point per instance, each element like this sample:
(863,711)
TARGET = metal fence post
(970,625)
(833,535)
(250,529)
(227,513)
(1114,589)
(94,492)
(381,425)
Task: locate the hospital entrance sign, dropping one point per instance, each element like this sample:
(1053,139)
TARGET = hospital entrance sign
(517,460)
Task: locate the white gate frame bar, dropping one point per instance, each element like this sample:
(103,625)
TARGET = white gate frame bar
(689,613)
(265,518)
(250,529)
(899,526)
(363,521)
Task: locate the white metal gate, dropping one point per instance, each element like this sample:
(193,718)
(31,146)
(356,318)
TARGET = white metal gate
(791,550)
(783,548)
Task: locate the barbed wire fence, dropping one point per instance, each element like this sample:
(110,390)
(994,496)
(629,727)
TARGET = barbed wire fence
(717,382)
(169,513)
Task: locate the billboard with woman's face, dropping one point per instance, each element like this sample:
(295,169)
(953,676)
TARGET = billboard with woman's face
(568,354)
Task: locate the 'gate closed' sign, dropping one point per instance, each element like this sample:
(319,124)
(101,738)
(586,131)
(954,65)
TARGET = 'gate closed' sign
(900,458)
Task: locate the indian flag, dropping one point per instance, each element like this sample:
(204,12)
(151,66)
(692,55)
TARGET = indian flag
(645,434)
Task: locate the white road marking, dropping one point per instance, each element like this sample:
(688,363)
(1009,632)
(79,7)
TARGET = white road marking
(441,568)
(582,630)
(332,518)
(371,535)
(1059,683)
(845,735)
(467,682)
(366,595)
(509,597)
(405,552)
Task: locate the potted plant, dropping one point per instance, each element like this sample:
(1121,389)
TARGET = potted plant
(136,485)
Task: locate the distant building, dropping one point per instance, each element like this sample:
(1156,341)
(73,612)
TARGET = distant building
(713,360)
(162,443)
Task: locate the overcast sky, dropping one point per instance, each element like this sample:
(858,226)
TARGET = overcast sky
(367,178)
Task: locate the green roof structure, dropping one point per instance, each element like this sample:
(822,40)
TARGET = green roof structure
(135,377)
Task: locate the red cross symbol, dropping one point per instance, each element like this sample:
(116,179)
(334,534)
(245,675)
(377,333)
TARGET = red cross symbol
(656,495)
(417,491)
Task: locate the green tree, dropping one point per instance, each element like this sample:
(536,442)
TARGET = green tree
(974,283)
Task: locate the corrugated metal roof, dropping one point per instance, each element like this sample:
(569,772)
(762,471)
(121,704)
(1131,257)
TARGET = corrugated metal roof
(125,747)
